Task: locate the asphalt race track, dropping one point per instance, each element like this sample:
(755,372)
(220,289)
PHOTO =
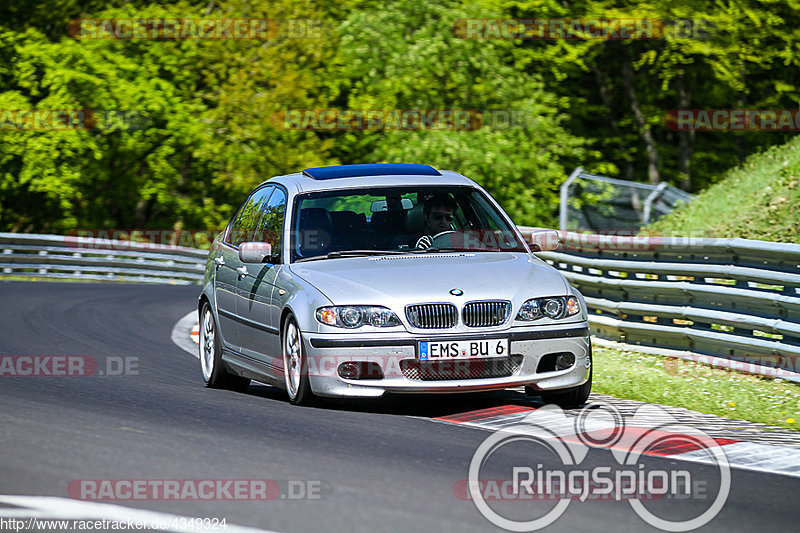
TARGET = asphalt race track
(383,466)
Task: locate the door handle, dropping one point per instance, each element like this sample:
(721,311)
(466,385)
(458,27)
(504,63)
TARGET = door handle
(242,271)
(220,261)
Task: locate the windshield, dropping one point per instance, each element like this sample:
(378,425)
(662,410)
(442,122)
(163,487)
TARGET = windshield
(398,220)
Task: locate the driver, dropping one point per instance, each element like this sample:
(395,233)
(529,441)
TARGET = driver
(438,214)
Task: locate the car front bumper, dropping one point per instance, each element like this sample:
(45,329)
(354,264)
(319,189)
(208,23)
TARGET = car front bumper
(397,356)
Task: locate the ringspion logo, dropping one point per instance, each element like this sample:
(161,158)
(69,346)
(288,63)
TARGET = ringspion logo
(566,479)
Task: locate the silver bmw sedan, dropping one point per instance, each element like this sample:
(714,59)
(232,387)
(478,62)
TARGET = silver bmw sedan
(358,280)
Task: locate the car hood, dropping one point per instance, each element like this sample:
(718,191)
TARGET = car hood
(405,279)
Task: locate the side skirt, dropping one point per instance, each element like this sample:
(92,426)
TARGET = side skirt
(247,367)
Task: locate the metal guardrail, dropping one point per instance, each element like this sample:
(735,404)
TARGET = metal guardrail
(82,258)
(732,302)
(735,300)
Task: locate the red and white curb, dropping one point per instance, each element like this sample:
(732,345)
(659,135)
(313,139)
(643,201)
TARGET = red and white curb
(195,334)
(183,333)
(774,459)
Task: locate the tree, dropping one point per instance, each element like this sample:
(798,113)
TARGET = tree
(405,55)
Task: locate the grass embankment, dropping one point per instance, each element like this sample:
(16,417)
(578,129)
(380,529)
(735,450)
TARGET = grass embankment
(680,383)
(758,200)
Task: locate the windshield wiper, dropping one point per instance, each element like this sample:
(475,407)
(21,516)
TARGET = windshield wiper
(470,250)
(349,253)
(356,253)
(433,249)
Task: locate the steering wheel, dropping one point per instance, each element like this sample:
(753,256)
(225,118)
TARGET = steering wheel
(443,233)
(425,242)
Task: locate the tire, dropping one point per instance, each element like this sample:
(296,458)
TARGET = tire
(211,367)
(295,366)
(565,398)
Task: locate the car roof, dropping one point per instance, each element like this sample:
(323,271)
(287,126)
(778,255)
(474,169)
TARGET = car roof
(396,175)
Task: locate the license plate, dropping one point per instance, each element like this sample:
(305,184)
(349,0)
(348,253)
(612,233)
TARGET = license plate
(448,350)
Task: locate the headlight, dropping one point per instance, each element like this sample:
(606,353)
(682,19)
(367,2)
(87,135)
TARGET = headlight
(529,310)
(355,316)
(554,308)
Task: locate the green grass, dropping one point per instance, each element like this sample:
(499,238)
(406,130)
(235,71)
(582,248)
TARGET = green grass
(680,383)
(757,200)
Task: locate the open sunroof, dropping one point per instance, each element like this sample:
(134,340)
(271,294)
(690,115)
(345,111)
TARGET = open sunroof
(356,171)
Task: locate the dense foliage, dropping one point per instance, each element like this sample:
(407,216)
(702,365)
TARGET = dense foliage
(208,130)
(756,200)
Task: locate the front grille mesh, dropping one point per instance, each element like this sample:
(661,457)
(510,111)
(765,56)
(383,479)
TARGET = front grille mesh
(432,316)
(485,314)
(460,369)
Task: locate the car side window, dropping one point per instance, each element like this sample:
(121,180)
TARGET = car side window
(272,216)
(244,229)
(232,222)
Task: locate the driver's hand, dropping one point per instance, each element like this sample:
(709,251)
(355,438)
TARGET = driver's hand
(424,242)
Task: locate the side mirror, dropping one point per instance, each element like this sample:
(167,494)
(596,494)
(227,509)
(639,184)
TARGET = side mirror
(254,252)
(544,241)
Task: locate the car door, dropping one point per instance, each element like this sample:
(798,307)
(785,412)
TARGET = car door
(225,256)
(229,267)
(256,303)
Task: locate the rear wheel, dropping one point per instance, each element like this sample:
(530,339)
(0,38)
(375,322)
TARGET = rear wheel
(214,374)
(295,366)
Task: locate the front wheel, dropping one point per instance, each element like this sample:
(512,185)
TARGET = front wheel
(214,374)
(565,398)
(295,365)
